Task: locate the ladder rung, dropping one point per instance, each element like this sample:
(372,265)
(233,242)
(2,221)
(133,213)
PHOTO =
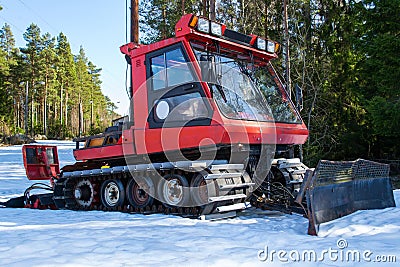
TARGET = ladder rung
(231,186)
(237,206)
(227,167)
(291,165)
(218,216)
(223,175)
(227,197)
(295,172)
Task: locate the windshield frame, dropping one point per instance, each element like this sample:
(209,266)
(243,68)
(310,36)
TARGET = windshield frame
(251,63)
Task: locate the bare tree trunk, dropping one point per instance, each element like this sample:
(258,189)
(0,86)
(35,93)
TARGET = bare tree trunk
(266,19)
(45,107)
(80,117)
(164,14)
(66,109)
(212,9)
(204,4)
(61,105)
(286,54)
(183,7)
(32,115)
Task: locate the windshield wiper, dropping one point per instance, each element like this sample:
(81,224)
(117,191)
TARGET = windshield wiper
(220,91)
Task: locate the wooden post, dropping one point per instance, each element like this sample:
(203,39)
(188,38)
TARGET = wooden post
(135,21)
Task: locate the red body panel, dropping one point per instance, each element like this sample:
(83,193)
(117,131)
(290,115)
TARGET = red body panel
(141,139)
(40,162)
(96,153)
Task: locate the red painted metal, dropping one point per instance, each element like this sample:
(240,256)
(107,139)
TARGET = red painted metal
(96,153)
(141,139)
(40,161)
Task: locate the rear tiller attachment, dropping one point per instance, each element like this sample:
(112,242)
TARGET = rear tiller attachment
(41,163)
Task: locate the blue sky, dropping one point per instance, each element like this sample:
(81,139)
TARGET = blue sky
(97,25)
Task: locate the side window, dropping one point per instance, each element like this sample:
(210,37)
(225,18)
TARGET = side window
(158,72)
(182,108)
(169,69)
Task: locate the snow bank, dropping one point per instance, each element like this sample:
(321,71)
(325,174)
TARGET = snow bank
(68,238)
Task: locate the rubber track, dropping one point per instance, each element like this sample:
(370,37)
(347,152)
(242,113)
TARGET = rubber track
(64,198)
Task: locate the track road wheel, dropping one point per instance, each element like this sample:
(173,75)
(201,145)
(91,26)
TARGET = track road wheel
(174,191)
(112,193)
(140,192)
(201,190)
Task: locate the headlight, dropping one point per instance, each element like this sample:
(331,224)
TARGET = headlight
(261,43)
(216,28)
(203,25)
(271,47)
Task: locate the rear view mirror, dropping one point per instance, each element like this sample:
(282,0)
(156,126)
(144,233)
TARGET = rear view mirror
(208,68)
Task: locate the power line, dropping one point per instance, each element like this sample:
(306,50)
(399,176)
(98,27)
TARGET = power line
(12,24)
(36,14)
(8,21)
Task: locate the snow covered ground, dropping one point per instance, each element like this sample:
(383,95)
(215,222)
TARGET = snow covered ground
(68,238)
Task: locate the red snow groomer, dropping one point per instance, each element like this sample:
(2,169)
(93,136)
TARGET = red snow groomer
(211,128)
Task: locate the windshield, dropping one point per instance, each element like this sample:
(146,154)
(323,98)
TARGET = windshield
(244,88)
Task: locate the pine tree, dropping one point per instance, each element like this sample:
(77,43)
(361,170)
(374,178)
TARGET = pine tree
(48,55)
(158,17)
(7,63)
(31,52)
(66,78)
(379,74)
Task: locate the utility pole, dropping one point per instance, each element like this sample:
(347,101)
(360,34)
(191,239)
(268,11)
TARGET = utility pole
(135,21)
(134,34)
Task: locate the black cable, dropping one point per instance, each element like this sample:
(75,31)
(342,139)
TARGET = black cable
(36,186)
(126,81)
(279,193)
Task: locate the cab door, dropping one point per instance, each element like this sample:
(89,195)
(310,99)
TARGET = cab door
(175,94)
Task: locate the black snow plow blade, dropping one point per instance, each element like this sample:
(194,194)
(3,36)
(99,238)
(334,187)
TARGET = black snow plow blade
(336,189)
